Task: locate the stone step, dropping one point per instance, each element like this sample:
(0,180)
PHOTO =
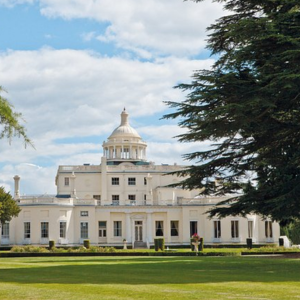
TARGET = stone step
(140,245)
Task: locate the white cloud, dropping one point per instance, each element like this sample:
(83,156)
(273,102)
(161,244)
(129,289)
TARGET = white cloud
(170,153)
(69,96)
(163,26)
(78,94)
(34,179)
(65,93)
(12,3)
(88,36)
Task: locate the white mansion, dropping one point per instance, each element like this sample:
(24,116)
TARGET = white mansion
(126,197)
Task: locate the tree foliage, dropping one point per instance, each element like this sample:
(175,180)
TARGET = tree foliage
(8,207)
(248,106)
(10,122)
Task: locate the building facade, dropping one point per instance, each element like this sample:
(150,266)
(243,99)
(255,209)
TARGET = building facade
(126,198)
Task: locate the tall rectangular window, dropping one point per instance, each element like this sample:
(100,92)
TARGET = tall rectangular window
(26,230)
(115,181)
(67,181)
(268,229)
(145,180)
(193,227)
(5,231)
(131,181)
(159,228)
(126,153)
(250,228)
(115,199)
(44,230)
(217,229)
(117,228)
(102,229)
(84,230)
(174,228)
(234,229)
(62,229)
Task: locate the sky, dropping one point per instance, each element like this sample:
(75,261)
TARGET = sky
(71,66)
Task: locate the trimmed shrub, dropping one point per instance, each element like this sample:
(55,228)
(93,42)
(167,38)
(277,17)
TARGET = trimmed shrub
(86,244)
(159,244)
(51,245)
(249,243)
(201,245)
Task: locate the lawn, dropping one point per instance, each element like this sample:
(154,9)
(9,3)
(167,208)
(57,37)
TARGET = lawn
(115,278)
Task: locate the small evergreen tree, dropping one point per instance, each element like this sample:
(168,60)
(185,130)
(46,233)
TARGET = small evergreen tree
(8,208)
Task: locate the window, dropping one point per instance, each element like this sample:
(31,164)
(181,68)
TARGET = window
(131,197)
(250,229)
(174,228)
(97,197)
(115,181)
(44,230)
(5,231)
(102,228)
(145,181)
(67,181)
(159,228)
(84,230)
(84,213)
(193,227)
(131,181)
(268,229)
(234,229)
(217,229)
(117,228)
(26,230)
(115,199)
(126,153)
(62,229)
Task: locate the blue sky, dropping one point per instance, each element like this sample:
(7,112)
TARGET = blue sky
(71,66)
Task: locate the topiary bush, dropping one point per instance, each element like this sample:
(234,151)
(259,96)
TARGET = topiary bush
(201,245)
(51,245)
(86,244)
(159,244)
(249,243)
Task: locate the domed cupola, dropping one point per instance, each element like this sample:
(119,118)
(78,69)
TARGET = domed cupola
(124,144)
(124,130)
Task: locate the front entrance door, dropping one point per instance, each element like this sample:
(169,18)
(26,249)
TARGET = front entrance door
(138,231)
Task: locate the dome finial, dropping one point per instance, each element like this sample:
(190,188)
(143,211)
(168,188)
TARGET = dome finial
(124,118)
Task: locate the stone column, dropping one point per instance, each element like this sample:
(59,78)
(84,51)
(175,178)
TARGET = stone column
(128,228)
(149,227)
(104,199)
(17,187)
(149,195)
(73,189)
